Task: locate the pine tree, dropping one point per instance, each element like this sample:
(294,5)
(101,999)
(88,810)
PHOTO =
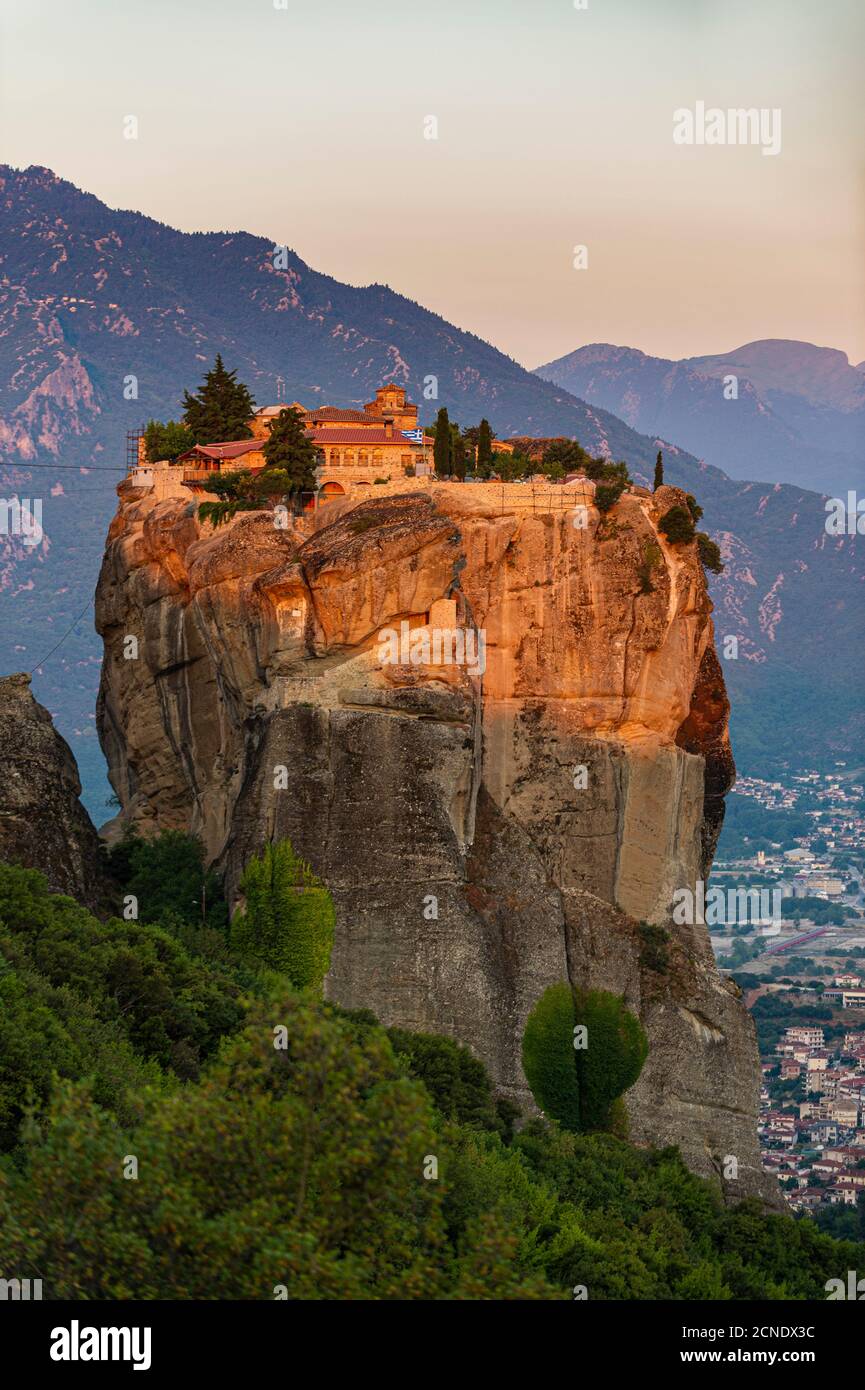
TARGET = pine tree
(290,453)
(287,923)
(659,470)
(221,408)
(442,449)
(485,449)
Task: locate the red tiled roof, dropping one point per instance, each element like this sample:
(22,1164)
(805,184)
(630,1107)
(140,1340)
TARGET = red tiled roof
(235,448)
(333,413)
(367,436)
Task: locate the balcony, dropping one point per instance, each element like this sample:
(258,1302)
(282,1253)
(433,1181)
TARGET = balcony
(199,476)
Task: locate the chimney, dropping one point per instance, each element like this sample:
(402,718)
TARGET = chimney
(388,429)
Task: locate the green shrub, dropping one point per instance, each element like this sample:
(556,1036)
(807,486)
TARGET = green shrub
(548,1056)
(709,553)
(653,947)
(677,525)
(457,1082)
(607,495)
(167,876)
(612,1061)
(579,1085)
(651,558)
(288,919)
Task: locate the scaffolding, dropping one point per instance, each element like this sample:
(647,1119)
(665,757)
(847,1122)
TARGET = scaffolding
(133,448)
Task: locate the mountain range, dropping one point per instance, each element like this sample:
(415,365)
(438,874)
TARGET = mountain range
(107,316)
(782,411)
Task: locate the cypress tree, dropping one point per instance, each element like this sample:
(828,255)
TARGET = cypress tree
(220,409)
(659,470)
(442,448)
(289,452)
(485,449)
(458,452)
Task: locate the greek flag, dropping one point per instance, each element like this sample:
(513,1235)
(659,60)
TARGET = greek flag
(416,436)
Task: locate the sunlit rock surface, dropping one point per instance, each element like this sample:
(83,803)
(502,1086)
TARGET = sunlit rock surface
(486,828)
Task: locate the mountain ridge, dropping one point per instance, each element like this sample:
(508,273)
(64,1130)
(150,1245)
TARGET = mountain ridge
(798,413)
(90,298)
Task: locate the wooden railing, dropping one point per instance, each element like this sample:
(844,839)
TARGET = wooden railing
(199,475)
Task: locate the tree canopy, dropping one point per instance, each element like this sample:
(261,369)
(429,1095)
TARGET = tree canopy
(118,1001)
(290,453)
(485,439)
(166,441)
(307,1162)
(177,1127)
(220,409)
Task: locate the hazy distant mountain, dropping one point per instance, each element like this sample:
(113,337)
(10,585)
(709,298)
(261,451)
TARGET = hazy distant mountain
(91,297)
(798,417)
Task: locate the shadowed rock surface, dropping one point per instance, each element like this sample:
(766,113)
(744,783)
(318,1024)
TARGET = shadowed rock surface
(484,833)
(42,823)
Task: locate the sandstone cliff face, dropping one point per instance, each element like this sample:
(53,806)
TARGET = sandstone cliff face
(484,832)
(42,823)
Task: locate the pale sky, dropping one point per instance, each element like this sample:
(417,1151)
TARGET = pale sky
(305,124)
